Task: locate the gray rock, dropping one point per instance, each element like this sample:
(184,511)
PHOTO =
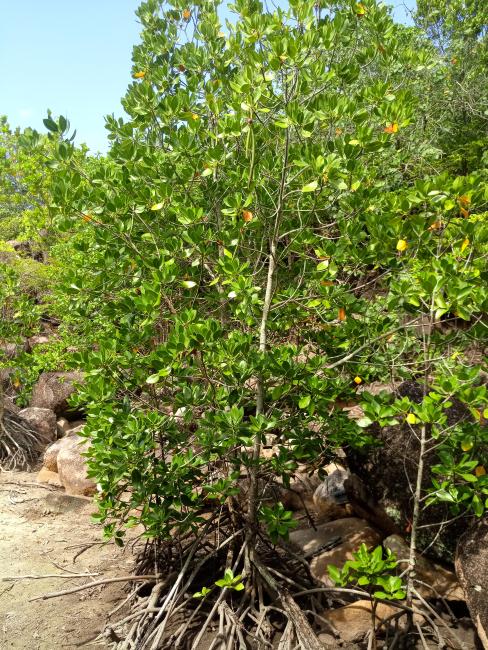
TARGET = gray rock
(10,350)
(53,390)
(332,490)
(472,571)
(42,420)
(62,427)
(436,578)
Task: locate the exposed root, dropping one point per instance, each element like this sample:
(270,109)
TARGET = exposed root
(19,444)
(281,606)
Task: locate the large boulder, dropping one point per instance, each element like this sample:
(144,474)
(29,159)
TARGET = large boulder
(51,478)
(354,621)
(472,571)
(433,580)
(53,390)
(50,459)
(334,543)
(72,467)
(42,420)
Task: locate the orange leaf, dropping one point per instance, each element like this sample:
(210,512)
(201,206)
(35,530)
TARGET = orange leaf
(360,10)
(342,314)
(437,225)
(186,14)
(247,215)
(464,201)
(87,217)
(391,128)
(480,471)
(464,212)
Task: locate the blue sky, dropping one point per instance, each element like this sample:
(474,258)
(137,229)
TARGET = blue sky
(73,57)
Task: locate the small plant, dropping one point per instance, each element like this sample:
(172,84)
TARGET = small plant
(372,571)
(230,581)
(279,522)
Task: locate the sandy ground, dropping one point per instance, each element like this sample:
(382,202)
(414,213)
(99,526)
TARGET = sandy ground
(41,531)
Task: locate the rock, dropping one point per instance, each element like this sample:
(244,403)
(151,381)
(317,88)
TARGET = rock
(348,534)
(62,426)
(42,420)
(72,467)
(302,488)
(442,580)
(53,389)
(66,428)
(46,476)
(50,460)
(40,339)
(332,490)
(9,405)
(472,571)
(330,498)
(7,381)
(75,427)
(353,621)
(11,350)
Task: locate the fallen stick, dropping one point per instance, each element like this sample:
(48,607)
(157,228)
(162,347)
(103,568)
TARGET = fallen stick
(97,583)
(50,575)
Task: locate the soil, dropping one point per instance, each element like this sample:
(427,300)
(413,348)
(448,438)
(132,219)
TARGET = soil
(41,532)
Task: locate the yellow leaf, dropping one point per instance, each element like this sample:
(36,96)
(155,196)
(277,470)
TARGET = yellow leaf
(157,206)
(139,75)
(464,245)
(358,380)
(411,418)
(391,128)
(480,471)
(402,245)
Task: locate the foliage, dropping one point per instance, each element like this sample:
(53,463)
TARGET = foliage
(264,177)
(370,570)
(24,186)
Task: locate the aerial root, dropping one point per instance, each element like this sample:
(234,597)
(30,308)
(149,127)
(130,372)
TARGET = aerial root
(280,606)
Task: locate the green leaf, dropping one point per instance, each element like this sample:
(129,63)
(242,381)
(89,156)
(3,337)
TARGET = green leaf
(50,124)
(304,401)
(310,187)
